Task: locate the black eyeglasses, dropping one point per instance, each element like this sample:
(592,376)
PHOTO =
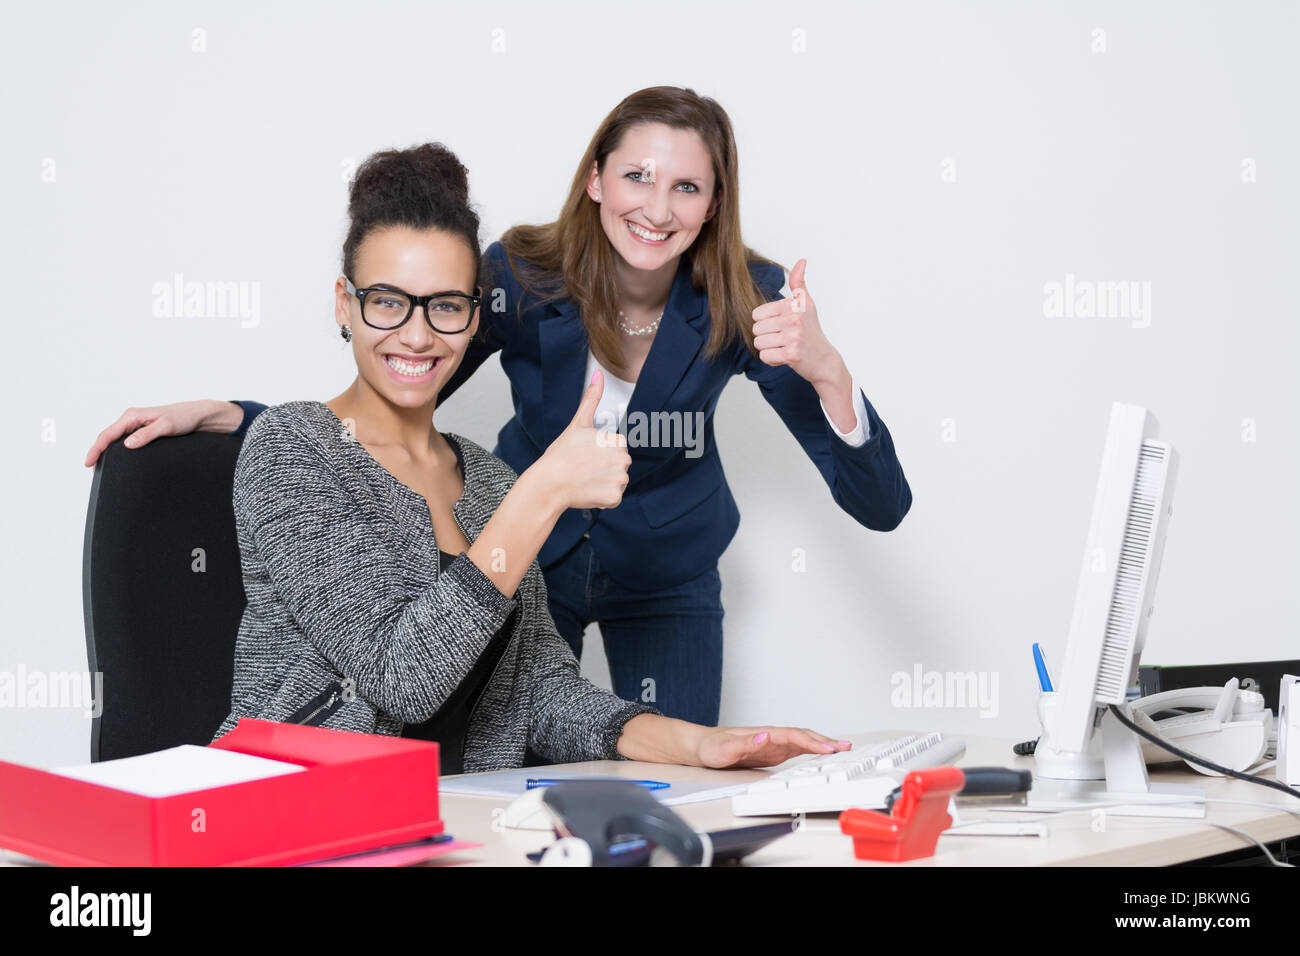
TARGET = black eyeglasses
(388,308)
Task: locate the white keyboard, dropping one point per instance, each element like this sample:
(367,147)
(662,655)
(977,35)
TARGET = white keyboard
(861,777)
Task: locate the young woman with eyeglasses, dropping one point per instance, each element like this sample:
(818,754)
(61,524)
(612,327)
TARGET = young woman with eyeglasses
(391,569)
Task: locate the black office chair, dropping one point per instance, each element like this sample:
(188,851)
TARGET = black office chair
(161,614)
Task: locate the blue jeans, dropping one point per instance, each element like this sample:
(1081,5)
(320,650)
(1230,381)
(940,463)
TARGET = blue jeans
(664,647)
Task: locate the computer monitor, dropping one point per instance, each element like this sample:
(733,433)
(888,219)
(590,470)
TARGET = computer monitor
(1082,740)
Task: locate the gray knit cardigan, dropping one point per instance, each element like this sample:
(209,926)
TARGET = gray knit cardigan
(350,625)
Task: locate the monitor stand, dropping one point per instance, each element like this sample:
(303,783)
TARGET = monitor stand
(1127,791)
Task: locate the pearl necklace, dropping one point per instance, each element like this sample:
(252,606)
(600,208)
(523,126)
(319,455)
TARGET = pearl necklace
(644,330)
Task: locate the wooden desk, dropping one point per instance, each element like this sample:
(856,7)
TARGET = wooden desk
(1072,840)
(1124,841)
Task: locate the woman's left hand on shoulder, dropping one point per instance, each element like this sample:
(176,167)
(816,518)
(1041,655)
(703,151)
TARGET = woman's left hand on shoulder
(788,332)
(762,746)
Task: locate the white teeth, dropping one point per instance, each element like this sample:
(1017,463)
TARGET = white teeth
(647,234)
(406,368)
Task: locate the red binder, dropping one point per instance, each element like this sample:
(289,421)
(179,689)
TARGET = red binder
(359,792)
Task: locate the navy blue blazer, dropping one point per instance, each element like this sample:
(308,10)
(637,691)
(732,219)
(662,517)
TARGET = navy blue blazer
(677,515)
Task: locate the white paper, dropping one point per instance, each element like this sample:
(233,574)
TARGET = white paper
(182,769)
(514,783)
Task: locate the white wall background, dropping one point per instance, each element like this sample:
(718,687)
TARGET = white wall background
(229,164)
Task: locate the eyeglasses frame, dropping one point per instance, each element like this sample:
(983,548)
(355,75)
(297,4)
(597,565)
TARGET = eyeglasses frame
(416,302)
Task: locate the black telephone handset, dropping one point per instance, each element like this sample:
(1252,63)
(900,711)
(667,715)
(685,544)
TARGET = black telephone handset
(618,823)
(609,813)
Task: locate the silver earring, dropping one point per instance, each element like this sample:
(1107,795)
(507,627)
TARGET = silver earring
(346,332)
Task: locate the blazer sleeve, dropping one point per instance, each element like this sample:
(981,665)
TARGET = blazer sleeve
(495,321)
(251,411)
(571,719)
(867,481)
(328,563)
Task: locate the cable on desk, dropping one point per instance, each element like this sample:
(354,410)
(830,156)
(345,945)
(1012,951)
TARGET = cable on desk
(1182,799)
(1025,749)
(1164,744)
(1242,833)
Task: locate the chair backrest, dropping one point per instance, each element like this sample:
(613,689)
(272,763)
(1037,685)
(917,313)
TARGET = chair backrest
(162,592)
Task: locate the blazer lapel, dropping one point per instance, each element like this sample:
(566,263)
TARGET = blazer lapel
(682,331)
(563,344)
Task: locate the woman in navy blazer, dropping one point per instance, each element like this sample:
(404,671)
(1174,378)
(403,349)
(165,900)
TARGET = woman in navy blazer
(651,225)
(678,514)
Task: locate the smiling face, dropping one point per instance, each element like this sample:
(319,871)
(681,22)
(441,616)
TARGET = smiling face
(409,364)
(655,194)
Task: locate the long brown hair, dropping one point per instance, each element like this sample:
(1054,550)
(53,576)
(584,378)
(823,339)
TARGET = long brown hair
(575,250)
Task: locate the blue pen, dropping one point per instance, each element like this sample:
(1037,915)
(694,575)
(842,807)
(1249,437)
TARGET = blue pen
(648,784)
(1044,678)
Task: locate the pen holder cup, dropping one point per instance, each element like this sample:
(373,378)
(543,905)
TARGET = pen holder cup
(1055,764)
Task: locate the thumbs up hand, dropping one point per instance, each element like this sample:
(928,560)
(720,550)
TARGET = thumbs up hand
(787,332)
(585,416)
(586,467)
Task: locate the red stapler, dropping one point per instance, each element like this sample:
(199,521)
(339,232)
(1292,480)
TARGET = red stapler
(911,830)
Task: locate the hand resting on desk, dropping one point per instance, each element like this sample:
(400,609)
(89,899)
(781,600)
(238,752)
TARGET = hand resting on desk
(657,739)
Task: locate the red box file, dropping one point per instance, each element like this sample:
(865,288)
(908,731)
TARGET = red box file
(359,792)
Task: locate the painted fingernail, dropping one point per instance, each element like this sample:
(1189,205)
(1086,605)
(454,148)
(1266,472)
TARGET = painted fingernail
(759,738)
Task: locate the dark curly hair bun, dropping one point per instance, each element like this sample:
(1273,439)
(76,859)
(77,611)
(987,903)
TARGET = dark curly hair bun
(424,187)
